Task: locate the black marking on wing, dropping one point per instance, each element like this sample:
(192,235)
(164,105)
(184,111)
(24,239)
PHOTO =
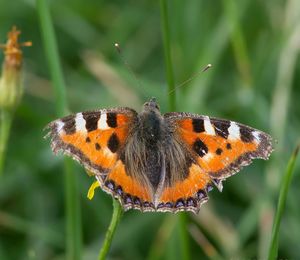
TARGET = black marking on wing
(113,143)
(111,120)
(246,134)
(219,151)
(221,127)
(97,146)
(200,148)
(198,125)
(91,120)
(69,124)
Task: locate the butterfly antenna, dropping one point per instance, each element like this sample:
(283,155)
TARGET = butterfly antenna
(208,66)
(118,48)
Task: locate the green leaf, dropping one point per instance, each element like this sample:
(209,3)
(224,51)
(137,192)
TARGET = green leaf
(285,184)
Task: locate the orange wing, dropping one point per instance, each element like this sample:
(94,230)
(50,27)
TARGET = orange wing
(222,147)
(219,149)
(95,139)
(188,194)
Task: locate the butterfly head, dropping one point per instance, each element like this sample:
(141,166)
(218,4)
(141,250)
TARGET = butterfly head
(151,105)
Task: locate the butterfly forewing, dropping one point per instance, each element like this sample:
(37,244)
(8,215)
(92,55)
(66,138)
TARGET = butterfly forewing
(93,138)
(221,146)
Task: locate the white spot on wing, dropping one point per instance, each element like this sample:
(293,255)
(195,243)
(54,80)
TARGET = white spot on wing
(59,126)
(80,123)
(256,135)
(209,129)
(208,156)
(102,124)
(234,131)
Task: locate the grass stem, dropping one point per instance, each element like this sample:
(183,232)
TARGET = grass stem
(184,236)
(167,52)
(5,125)
(238,41)
(273,250)
(172,107)
(51,51)
(117,213)
(72,205)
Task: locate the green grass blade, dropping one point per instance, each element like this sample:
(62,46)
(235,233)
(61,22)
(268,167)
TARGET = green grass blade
(72,208)
(184,235)
(6,118)
(273,251)
(167,52)
(172,107)
(72,205)
(238,41)
(24,226)
(163,236)
(116,217)
(52,56)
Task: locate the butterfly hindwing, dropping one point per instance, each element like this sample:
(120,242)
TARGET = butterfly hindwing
(188,194)
(129,191)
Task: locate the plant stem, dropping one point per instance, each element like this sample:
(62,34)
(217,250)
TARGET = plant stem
(172,107)
(72,209)
(72,204)
(238,41)
(167,51)
(273,250)
(51,52)
(5,125)
(184,237)
(117,213)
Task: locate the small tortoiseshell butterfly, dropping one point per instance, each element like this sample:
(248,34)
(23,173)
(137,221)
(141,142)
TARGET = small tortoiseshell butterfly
(155,162)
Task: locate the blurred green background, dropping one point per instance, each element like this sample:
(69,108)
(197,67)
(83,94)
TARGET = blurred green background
(254,49)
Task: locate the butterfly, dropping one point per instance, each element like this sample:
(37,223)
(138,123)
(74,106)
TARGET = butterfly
(155,162)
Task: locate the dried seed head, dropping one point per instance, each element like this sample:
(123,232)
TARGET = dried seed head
(11,88)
